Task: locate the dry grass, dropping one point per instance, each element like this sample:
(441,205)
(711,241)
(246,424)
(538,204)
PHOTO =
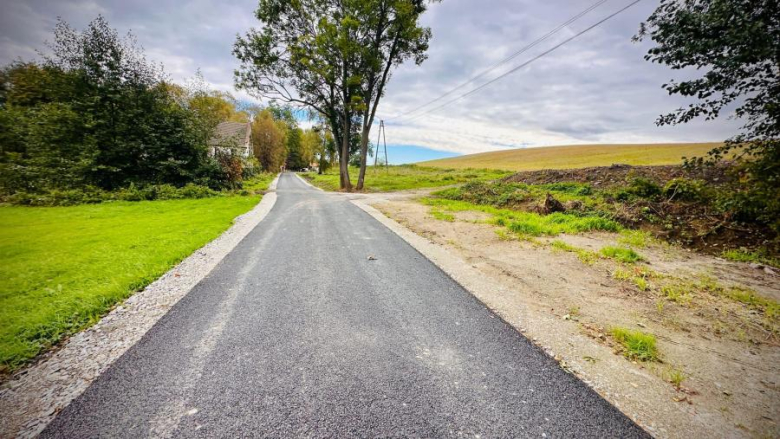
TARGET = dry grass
(576,156)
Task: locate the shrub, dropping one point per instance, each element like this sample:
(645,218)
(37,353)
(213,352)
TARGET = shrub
(639,188)
(686,189)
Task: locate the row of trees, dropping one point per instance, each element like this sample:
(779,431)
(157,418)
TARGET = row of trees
(279,141)
(96,114)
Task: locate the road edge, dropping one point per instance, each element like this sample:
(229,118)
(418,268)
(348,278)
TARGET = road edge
(33,396)
(307,183)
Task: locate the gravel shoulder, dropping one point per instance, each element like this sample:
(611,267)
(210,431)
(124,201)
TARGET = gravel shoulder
(566,307)
(32,397)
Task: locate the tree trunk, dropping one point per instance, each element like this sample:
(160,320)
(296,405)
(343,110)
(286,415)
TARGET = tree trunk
(363,156)
(344,157)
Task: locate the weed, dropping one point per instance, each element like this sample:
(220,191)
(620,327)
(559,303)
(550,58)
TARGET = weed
(743,255)
(770,308)
(621,274)
(635,238)
(574,311)
(637,345)
(659,306)
(529,223)
(562,246)
(625,255)
(674,376)
(442,216)
(586,256)
(502,235)
(641,283)
(677,292)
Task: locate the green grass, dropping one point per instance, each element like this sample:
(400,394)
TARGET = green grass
(675,376)
(639,276)
(679,292)
(62,268)
(637,345)
(442,216)
(258,183)
(530,223)
(403,177)
(577,156)
(742,255)
(586,256)
(635,238)
(625,255)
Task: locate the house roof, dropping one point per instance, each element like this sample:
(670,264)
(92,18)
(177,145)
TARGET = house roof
(231,130)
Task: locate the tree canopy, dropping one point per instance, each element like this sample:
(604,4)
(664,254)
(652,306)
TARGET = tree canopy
(96,113)
(734,45)
(333,57)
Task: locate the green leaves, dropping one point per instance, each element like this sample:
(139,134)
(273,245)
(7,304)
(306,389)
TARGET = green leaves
(736,46)
(97,113)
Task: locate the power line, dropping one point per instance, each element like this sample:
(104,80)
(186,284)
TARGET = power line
(527,62)
(507,59)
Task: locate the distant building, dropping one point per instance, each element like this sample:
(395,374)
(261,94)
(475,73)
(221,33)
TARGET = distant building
(232,138)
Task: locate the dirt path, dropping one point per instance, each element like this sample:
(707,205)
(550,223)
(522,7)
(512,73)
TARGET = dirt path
(730,362)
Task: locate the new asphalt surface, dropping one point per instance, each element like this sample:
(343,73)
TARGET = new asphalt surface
(324,323)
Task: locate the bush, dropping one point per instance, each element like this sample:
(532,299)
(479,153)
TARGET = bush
(195,191)
(639,188)
(91,195)
(686,189)
(251,168)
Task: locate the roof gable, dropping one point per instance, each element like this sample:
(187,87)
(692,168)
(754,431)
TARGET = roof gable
(231,130)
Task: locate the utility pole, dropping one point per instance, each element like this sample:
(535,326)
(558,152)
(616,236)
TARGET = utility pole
(381,135)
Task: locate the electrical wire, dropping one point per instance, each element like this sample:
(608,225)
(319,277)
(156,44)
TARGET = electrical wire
(505,60)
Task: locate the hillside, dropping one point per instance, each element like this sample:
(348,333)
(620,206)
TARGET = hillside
(576,156)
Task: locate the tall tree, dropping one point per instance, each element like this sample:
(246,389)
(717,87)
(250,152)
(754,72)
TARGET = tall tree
(389,34)
(269,141)
(734,45)
(333,57)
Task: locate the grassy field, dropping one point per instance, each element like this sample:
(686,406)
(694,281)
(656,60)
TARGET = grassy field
(576,156)
(61,268)
(403,177)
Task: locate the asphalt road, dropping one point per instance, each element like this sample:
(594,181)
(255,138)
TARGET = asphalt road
(298,333)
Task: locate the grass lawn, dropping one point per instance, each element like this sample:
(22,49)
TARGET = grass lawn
(62,268)
(577,156)
(403,177)
(258,183)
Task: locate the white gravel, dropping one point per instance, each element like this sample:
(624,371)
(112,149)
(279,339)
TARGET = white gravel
(34,395)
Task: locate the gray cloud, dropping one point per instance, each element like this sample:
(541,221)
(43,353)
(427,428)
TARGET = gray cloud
(598,88)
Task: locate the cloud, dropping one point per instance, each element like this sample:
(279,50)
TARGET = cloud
(596,89)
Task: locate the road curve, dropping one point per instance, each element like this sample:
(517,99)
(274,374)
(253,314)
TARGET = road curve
(323,323)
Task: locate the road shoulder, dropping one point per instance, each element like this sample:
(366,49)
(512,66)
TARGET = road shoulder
(526,301)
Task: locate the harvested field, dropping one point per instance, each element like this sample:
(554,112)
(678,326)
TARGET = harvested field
(577,156)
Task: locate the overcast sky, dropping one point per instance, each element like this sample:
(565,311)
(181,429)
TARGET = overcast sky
(596,89)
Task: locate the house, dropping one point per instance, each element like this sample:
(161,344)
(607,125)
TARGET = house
(232,138)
